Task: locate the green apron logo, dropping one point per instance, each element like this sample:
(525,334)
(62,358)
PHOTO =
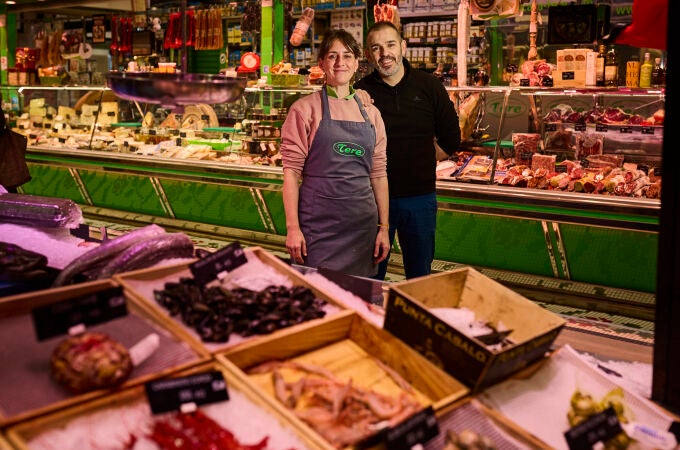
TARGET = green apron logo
(348,149)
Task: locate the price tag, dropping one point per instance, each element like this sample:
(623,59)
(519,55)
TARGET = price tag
(625,130)
(547,82)
(200,389)
(550,127)
(179,117)
(205,117)
(580,126)
(598,427)
(48,116)
(57,318)
(601,127)
(61,140)
(568,75)
(647,130)
(525,82)
(657,171)
(178,142)
(152,132)
(182,134)
(585,163)
(111,113)
(47,125)
(561,168)
(417,429)
(224,260)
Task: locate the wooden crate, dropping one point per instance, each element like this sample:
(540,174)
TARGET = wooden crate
(115,408)
(408,317)
(140,286)
(352,349)
(26,360)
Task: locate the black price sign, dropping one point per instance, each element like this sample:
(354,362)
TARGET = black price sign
(547,82)
(601,127)
(585,163)
(178,142)
(525,82)
(183,134)
(417,429)
(550,127)
(61,140)
(47,125)
(200,389)
(205,117)
(111,113)
(152,132)
(57,318)
(48,116)
(561,168)
(226,259)
(598,427)
(568,75)
(647,130)
(625,130)
(580,126)
(657,171)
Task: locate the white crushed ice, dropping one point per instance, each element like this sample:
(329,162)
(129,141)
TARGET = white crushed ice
(255,275)
(635,376)
(57,244)
(113,427)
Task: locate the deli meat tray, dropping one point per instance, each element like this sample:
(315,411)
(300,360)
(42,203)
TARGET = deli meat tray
(261,272)
(124,420)
(541,401)
(343,380)
(27,388)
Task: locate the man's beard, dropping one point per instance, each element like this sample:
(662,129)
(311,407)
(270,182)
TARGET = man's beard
(391,71)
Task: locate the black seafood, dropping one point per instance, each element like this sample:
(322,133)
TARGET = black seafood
(214,312)
(16,261)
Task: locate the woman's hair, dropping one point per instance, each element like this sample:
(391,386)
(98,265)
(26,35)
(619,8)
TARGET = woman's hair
(343,36)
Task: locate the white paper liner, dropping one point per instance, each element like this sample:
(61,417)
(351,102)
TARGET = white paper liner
(540,403)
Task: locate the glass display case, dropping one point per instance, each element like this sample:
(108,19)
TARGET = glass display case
(217,169)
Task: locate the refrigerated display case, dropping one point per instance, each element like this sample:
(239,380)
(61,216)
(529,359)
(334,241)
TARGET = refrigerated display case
(607,241)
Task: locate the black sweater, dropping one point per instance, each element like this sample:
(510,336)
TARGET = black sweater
(415,111)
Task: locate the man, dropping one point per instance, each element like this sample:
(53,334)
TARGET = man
(417,111)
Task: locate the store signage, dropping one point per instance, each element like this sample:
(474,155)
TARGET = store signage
(599,427)
(58,318)
(224,260)
(180,394)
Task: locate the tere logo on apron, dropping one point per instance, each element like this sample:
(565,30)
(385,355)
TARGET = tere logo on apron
(349,149)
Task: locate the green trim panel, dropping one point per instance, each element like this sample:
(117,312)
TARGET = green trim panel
(492,241)
(215,204)
(53,182)
(611,257)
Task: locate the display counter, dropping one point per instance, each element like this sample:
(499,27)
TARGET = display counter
(604,240)
(488,221)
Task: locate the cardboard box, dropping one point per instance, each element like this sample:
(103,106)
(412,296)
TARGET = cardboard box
(26,387)
(351,349)
(114,416)
(141,284)
(408,317)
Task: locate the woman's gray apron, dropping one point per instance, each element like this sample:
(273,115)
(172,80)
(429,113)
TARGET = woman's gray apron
(337,209)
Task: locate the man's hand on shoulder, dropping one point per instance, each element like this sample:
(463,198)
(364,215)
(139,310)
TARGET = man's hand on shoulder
(364,96)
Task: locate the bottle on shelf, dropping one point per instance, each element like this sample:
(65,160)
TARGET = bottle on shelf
(599,66)
(658,74)
(633,72)
(302,26)
(646,71)
(611,69)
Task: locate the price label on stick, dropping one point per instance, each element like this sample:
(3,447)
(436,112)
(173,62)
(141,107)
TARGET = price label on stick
(224,260)
(177,393)
(57,318)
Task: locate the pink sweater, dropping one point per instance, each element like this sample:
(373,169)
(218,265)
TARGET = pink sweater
(304,115)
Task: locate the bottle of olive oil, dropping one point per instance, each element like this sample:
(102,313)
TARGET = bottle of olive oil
(646,71)
(599,66)
(611,69)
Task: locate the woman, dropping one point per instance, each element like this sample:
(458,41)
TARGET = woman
(334,170)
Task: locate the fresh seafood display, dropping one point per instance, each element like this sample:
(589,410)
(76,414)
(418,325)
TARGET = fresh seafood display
(343,412)
(215,312)
(197,431)
(17,262)
(468,440)
(239,424)
(583,405)
(136,249)
(38,211)
(89,361)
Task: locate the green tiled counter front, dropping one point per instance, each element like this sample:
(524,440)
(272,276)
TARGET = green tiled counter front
(608,241)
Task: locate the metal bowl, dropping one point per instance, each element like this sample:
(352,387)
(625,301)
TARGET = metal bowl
(176,89)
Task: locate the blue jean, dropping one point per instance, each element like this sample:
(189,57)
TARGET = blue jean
(413,220)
